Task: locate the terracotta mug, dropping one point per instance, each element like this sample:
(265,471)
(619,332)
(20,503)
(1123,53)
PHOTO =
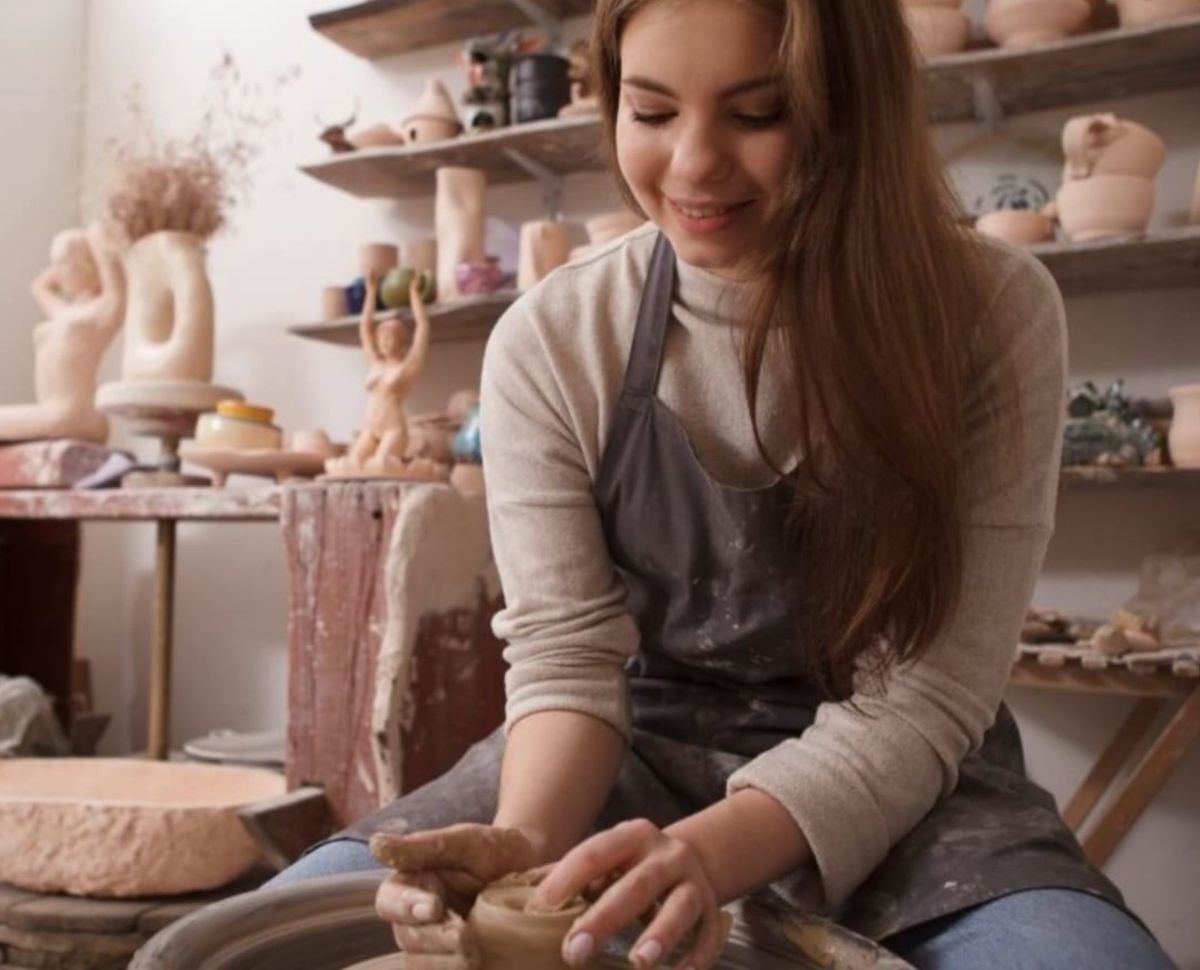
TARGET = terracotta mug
(1103,144)
(1184,437)
(1104,205)
(1027,23)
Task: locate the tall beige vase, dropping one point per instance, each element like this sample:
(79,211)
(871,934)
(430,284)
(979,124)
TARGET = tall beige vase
(458,217)
(169,320)
(544,246)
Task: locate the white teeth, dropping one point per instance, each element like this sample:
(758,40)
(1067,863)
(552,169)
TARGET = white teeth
(706,213)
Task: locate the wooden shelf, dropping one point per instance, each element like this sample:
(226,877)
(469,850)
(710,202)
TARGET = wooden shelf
(144,504)
(564,146)
(1170,258)
(1079,477)
(381,28)
(1083,69)
(467,319)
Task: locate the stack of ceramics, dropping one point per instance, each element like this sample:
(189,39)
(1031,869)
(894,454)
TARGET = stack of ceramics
(1108,178)
(1141,13)
(1028,23)
(937,26)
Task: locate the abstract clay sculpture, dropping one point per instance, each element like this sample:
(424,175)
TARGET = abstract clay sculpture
(394,365)
(82,294)
(169,322)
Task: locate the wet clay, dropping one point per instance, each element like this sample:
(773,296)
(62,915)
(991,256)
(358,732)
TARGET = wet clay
(510,938)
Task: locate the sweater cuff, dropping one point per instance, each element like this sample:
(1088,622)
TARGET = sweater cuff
(838,818)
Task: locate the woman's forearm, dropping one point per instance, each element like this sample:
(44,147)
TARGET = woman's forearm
(559,767)
(744,842)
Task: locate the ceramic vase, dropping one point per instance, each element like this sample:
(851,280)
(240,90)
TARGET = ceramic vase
(1028,23)
(1105,205)
(458,215)
(544,246)
(540,86)
(1184,437)
(1139,13)
(1103,144)
(1022,227)
(169,316)
(937,30)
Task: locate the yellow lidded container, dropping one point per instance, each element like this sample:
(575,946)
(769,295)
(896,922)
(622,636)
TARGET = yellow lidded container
(240,426)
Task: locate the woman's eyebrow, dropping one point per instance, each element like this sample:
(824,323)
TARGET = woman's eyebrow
(648,84)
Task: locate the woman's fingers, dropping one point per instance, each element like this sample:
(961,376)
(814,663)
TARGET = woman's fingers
(593,859)
(450,936)
(709,941)
(411,898)
(676,919)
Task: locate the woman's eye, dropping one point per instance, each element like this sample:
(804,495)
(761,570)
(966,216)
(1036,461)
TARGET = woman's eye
(760,121)
(651,119)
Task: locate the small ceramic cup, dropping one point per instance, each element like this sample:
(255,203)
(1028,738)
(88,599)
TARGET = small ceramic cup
(1105,205)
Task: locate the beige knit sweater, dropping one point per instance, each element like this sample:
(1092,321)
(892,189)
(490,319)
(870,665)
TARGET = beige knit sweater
(858,779)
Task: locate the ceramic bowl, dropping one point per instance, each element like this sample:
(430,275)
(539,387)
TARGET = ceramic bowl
(937,30)
(1139,13)
(1027,23)
(1023,227)
(1105,205)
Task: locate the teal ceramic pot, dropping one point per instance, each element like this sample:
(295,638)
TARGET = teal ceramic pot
(466,442)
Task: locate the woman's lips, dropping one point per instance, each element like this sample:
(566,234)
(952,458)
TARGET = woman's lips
(706,218)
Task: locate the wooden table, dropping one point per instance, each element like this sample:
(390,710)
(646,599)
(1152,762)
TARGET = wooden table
(46,521)
(1156,686)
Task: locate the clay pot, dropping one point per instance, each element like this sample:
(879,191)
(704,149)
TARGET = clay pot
(1104,205)
(377,258)
(1103,144)
(1027,23)
(540,85)
(333,303)
(512,939)
(937,30)
(1023,227)
(1184,437)
(1138,13)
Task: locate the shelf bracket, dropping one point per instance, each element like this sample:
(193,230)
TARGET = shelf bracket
(550,181)
(988,108)
(534,10)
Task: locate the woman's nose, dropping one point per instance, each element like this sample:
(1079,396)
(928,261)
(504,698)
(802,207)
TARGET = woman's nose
(702,155)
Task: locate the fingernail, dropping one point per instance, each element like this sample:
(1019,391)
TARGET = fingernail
(579,948)
(423,911)
(649,952)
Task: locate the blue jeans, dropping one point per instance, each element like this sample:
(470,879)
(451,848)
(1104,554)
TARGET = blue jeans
(1038,929)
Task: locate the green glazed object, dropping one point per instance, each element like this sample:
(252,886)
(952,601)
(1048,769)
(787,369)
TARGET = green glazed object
(393,291)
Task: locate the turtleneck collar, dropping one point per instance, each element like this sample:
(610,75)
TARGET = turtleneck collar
(708,295)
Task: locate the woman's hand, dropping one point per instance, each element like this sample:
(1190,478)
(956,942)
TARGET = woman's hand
(438,875)
(648,874)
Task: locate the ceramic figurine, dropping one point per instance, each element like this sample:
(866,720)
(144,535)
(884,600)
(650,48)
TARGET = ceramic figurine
(937,26)
(459,218)
(1140,13)
(544,246)
(540,86)
(488,61)
(82,294)
(382,446)
(335,135)
(1028,23)
(433,119)
(486,276)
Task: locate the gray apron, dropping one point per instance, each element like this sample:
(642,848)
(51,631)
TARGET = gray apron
(711,578)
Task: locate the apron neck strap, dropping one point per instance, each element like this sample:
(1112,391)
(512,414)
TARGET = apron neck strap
(654,313)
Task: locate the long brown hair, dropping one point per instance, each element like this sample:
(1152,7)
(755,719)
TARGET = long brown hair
(876,297)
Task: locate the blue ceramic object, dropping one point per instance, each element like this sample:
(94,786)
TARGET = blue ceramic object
(466,442)
(356,296)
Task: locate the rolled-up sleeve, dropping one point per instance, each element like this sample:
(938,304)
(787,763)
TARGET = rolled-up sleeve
(567,630)
(868,770)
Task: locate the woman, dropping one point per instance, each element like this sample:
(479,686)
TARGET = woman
(770,483)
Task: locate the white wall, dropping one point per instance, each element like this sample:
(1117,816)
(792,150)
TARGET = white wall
(294,235)
(41,111)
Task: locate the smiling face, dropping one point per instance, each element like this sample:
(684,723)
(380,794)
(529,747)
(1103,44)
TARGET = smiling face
(703,139)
